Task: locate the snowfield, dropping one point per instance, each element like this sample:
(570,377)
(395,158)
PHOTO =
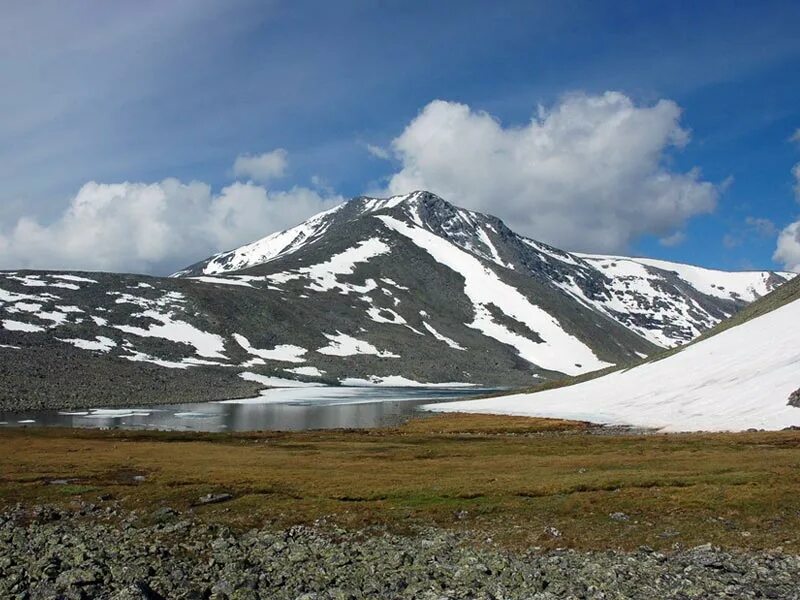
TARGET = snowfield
(747,285)
(738,379)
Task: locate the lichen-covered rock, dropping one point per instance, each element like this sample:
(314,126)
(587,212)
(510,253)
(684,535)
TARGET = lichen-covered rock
(100,557)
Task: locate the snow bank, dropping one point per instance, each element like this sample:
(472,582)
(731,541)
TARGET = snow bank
(736,380)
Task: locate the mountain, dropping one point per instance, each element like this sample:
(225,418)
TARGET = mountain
(666,303)
(738,376)
(375,291)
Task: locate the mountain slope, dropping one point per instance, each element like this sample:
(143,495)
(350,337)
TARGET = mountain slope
(666,303)
(409,288)
(735,378)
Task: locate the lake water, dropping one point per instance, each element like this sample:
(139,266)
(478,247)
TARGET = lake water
(285,409)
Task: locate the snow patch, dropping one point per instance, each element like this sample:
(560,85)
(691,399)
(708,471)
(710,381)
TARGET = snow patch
(208,345)
(13,325)
(376,314)
(396,381)
(442,338)
(283,352)
(74,278)
(100,343)
(307,371)
(222,281)
(345,345)
(324,274)
(270,381)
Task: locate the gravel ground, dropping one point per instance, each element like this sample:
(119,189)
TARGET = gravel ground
(98,552)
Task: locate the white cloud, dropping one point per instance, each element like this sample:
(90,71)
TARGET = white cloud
(262,167)
(155,227)
(588,174)
(378,151)
(787,251)
(676,239)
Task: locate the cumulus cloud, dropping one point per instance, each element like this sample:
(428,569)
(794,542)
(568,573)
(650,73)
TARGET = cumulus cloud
(261,167)
(154,227)
(591,173)
(787,251)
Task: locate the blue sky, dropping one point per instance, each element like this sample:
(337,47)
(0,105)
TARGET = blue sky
(140,92)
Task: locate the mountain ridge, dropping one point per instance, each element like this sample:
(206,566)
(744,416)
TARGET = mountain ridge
(409,288)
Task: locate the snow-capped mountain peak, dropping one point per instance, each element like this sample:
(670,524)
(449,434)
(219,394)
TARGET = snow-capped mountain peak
(664,303)
(374,289)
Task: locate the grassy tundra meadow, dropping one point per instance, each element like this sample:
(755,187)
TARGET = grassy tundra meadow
(521,482)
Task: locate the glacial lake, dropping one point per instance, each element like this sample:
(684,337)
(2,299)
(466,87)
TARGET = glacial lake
(278,409)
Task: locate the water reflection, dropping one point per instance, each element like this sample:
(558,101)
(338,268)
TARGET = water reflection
(291,409)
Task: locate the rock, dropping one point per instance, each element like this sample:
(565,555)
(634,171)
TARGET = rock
(76,557)
(552,532)
(794,398)
(213,499)
(669,533)
(619,516)
(77,577)
(138,591)
(164,515)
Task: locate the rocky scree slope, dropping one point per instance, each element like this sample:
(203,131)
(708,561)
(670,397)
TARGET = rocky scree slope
(403,290)
(47,552)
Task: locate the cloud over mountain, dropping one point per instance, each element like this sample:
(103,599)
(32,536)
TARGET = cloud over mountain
(153,227)
(787,251)
(590,173)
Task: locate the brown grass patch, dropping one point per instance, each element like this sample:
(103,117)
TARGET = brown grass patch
(505,477)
